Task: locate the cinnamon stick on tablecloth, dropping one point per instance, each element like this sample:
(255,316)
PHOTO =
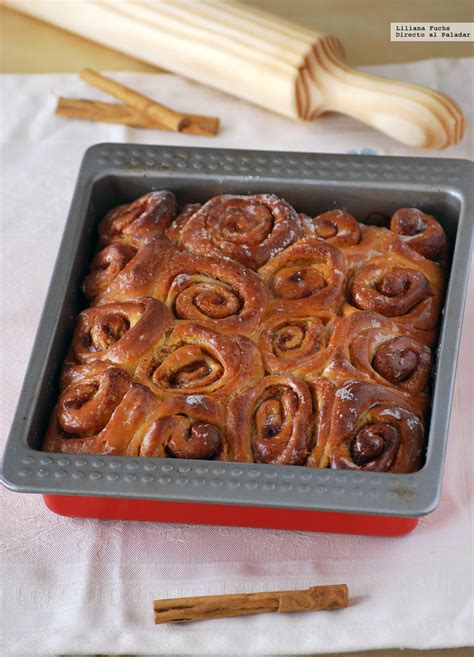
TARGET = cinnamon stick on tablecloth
(333,596)
(95,110)
(168,117)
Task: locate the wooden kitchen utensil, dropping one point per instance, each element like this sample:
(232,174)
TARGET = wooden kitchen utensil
(259,57)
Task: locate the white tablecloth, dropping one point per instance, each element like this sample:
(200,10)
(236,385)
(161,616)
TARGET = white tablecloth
(87,586)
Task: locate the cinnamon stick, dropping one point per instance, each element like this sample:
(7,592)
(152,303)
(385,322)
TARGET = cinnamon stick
(95,110)
(333,596)
(165,115)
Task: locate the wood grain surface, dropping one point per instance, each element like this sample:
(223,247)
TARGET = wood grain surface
(363,26)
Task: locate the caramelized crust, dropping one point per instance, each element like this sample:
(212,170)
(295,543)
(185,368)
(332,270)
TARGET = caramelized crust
(305,277)
(249,229)
(407,290)
(138,277)
(100,411)
(373,428)
(187,427)
(421,232)
(296,344)
(120,333)
(107,264)
(224,293)
(370,347)
(335,227)
(138,222)
(272,422)
(195,360)
(187,211)
(242,330)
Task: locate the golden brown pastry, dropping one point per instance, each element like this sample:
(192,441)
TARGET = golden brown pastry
(323,393)
(365,345)
(224,293)
(335,227)
(107,264)
(373,428)
(296,344)
(420,232)
(195,359)
(305,277)
(138,276)
(187,211)
(187,427)
(243,330)
(138,222)
(100,411)
(119,333)
(249,229)
(408,290)
(271,422)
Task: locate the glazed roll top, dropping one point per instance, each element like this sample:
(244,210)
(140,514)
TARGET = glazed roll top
(243,329)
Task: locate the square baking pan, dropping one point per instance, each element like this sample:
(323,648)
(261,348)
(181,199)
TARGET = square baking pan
(259,495)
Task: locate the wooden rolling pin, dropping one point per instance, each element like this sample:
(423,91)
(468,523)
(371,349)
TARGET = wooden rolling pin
(262,58)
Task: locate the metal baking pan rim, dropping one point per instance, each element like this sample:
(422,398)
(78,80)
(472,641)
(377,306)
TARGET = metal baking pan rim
(29,470)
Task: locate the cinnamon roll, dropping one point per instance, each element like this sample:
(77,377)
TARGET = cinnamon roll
(187,427)
(375,429)
(107,264)
(187,211)
(100,411)
(407,291)
(242,330)
(196,360)
(296,344)
(248,229)
(335,227)
(420,232)
(366,345)
(271,422)
(138,277)
(307,276)
(120,333)
(138,222)
(222,292)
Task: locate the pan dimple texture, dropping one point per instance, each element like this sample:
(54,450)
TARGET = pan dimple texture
(276,486)
(238,163)
(321,486)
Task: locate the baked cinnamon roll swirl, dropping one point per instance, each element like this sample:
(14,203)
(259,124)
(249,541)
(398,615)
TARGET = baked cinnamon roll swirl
(196,360)
(307,276)
(187,211)
(271,422)
(420,232)
(403,290)
(249,229)
(120,333)
(138,277)
(187,427)
(295,344)
(242,330)
(373,429)
(221,292)
(107,264)
(366,345)
(100,411)
(335,227)
(138,222)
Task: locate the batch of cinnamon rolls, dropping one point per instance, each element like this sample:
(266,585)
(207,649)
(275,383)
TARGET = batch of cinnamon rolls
(243,330)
